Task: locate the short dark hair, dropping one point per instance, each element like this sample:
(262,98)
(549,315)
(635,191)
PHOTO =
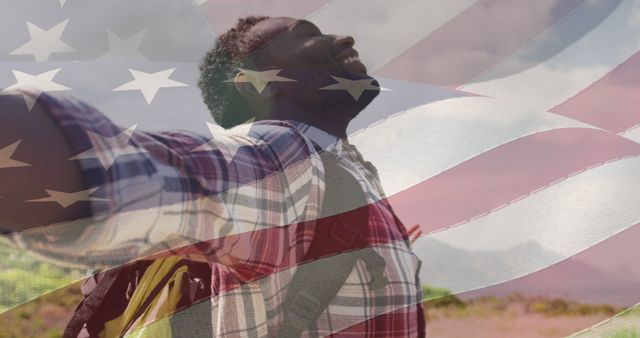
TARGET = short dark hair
(232,50)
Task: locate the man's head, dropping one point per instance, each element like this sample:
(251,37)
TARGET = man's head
(302,53)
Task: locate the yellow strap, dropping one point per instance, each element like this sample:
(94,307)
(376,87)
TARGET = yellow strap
(162,307)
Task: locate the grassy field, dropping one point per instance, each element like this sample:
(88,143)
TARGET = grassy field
(447,316)
(24,277)
(515,316)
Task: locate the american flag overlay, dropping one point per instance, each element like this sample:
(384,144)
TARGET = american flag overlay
(499,166)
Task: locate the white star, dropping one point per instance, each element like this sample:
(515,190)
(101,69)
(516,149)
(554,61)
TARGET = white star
(40,83)
(66,199)
(62,2)
(107,149)
(5,157)
(227,141)
(260,79)
(150,83)
(121,49)
(43,43)
(354,87)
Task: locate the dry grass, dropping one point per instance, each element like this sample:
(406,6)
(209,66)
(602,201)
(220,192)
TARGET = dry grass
(447,316)
(515,316)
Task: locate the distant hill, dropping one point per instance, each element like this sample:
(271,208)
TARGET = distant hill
(457,269)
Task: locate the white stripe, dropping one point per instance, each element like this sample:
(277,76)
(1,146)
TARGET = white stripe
(425,141)
(385,29)
(633,134)
(159,221)
(627,321)
(536,232)
(564,75)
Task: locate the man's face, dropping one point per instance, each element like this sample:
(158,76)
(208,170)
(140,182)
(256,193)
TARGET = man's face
(299,46)
(303,53)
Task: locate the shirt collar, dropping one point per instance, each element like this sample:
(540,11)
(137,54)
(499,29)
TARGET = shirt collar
(320,137)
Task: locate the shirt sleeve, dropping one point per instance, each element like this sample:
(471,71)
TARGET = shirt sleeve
(236,197)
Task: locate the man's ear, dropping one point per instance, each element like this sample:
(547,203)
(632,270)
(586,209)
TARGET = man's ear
(248,89)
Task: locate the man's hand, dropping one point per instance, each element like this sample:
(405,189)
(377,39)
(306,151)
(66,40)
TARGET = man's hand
(414,233)
(37,163)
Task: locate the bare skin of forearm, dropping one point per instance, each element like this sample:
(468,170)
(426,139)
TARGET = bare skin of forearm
(45,149)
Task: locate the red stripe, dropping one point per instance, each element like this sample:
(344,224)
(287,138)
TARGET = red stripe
(356,237)
(475,40)
(504,174)
(610,103)
(475,186)
(386,325)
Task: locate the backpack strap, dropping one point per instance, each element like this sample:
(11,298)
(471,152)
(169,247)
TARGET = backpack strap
(94,290)
(157,289)
(102,294)
(339,241)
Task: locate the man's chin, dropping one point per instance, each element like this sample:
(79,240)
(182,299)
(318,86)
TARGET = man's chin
(357,68)
(368,95)
(354,72)
(345,99)
(309,84)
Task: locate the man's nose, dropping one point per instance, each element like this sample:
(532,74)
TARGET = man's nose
(343,41)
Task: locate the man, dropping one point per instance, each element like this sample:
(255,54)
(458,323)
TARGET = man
(253,196)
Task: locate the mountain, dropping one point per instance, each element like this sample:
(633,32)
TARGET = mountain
(471,274)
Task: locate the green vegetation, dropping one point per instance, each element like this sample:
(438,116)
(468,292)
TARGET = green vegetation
(439,297)
(625,324)
(435,297)
(26,285)
(45,316)
(626,333)
(24,277)
(562,307)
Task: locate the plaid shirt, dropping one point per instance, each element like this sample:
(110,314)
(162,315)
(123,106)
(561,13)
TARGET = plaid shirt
(244,196)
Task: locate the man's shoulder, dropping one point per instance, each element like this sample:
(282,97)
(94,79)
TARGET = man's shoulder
(279,135)
(269,129)
(282,141)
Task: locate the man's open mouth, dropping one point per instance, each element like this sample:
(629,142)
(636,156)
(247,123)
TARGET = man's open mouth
(351,59)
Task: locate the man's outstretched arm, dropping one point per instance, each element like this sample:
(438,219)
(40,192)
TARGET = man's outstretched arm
(140,187)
